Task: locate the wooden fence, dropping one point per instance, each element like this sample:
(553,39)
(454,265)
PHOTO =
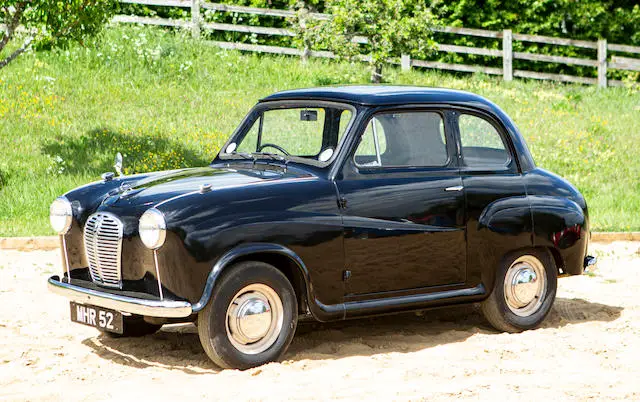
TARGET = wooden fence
(602,62)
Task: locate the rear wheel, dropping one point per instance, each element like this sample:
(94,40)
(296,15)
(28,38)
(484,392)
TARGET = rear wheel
(523,293)
(251,318)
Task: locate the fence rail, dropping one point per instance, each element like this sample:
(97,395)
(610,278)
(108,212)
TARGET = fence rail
(601,47)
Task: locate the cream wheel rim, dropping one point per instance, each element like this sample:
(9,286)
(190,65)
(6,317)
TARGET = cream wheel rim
(525,286)
(254,319)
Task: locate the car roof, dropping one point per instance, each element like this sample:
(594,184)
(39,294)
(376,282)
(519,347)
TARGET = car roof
(375,95)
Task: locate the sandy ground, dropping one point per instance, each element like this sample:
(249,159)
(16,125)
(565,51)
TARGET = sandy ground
(588,348)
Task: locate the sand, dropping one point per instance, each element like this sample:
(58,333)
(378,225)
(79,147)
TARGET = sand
(588,348)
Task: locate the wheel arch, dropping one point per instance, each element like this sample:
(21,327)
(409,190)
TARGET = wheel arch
(282,258)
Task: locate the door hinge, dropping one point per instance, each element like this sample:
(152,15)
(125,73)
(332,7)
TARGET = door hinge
(342,203)
(346,275)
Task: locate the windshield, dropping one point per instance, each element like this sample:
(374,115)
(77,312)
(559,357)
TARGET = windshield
(308,134)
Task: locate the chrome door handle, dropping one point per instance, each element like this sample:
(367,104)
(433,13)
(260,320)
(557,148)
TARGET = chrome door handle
(454,188)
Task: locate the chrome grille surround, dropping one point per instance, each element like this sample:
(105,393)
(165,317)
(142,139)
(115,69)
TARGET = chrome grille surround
(103,248)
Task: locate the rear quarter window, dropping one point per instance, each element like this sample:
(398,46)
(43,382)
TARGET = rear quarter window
(482,144)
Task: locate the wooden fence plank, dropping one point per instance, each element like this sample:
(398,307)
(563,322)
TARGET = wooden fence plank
(469,31)
(218,26)
(618,83)
(165,3)
(554,77)
(624,48)
(624,63)
(260,11)
(555,59)
(257,48)
(469,50)
(457,67)
(248,10)
(151,21)
(551,40)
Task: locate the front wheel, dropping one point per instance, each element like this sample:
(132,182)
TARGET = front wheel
(523,293)
(251,318)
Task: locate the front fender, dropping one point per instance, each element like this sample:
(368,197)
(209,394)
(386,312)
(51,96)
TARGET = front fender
(318,310)
(241,251)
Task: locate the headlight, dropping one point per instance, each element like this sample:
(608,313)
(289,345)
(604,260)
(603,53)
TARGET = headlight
(60,215)
(152,228)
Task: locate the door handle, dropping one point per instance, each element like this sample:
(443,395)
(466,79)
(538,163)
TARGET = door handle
(454,188)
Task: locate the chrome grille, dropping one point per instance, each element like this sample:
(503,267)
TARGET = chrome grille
(103,247)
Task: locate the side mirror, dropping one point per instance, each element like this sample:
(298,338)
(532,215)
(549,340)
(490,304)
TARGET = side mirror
(118,164)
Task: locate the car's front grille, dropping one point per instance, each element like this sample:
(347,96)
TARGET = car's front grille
(103,247)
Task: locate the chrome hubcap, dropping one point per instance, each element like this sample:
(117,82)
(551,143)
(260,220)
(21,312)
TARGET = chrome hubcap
(525,285)
(254,319)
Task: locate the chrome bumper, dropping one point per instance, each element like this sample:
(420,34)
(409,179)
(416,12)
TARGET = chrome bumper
(150,308)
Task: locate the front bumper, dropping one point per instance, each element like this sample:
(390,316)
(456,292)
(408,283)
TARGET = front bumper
(127,304)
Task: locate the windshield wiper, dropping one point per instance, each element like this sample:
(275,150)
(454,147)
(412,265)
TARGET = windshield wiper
(244,155)
(275,157)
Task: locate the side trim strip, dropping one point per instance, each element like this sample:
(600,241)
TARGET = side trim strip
(366,307)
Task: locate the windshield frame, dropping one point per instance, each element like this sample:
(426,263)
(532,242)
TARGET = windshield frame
(254,114)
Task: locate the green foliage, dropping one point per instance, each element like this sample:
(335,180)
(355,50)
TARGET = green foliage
(614,20)
(50,23)
(390,27)
(166,101)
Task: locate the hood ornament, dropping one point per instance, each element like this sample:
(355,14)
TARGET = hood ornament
(205,188)
(108,176)
(118,164)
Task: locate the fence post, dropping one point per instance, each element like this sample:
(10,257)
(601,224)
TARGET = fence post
(195,18)
(405,62)
(507,55)
(306,51)
(602,63)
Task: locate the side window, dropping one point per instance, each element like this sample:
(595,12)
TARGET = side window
(403,140)
(482,145)
(372,145)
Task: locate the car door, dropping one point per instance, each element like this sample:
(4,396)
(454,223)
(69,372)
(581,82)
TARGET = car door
(491,178)
(403,205)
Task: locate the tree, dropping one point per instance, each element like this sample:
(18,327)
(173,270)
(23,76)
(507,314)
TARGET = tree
(373,30)
(48,23)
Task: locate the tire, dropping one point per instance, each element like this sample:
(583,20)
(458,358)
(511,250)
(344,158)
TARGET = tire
(134,326)
(506,308)
(261,292)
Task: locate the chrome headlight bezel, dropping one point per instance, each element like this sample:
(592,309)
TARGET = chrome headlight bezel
(152,229)
(61,215)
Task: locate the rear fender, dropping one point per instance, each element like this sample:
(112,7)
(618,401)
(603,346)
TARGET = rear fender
(503,226)
(561,225)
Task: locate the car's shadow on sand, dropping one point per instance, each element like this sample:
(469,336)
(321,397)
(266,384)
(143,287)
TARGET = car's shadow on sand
(177,347)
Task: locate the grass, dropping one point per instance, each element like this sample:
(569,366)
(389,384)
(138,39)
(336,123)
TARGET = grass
(166,101)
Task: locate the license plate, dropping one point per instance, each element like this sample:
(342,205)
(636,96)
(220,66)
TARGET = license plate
(97,317)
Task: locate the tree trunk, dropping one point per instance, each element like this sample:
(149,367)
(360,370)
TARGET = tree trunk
(15,54)
(376,73)
(12,23)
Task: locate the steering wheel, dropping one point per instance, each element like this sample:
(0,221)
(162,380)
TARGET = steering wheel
(269,145)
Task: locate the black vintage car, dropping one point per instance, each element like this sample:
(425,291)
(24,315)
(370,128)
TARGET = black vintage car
(326,204)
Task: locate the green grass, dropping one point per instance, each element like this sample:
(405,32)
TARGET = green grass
(167,101)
